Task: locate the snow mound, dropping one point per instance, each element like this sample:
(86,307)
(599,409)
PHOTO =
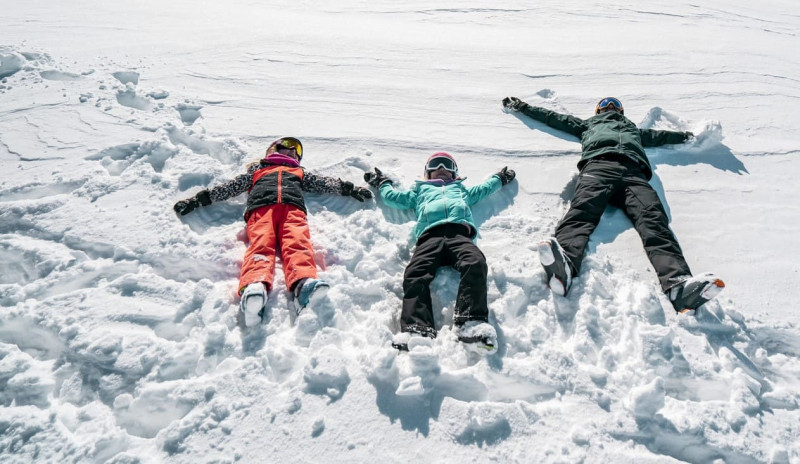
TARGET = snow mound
(10,63)
(707,134)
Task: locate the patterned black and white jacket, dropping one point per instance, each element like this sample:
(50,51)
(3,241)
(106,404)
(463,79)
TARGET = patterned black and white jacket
(277,184)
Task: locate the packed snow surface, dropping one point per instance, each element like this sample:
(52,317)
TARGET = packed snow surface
(120,338)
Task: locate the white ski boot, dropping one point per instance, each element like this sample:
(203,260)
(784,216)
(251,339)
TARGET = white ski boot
(254,299)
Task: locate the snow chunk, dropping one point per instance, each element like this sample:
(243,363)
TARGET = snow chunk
(54,75)
(157,94)
(646,400)
(318,427)
(23,379)
(155,408)
(189,113)
(129,98)
(326,374)
(479,423)
(10,63)
(126,77)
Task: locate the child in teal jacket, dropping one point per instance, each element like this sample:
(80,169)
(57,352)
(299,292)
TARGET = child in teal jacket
(444,236)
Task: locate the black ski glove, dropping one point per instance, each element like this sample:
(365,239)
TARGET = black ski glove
(359,193)
(184,207)
(687,136)
(512,103)
(376,179)
(506,175)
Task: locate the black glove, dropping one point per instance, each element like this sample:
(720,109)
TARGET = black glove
(687,136)
(506,175)
(184,207)
(376,179)
(512,103)
(359,193)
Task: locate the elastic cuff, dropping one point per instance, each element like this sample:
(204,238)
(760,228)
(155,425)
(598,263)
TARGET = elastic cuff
(347,188)
(461,320)
(675,281)
(203,197)
(300,276)
(429,332)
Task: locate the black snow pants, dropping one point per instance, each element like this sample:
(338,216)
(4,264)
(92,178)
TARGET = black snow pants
(620,182)
(445,245)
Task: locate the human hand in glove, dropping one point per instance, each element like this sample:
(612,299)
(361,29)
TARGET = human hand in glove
(184,207)
(506,175)
(376,179)
(512,103)
(359,193)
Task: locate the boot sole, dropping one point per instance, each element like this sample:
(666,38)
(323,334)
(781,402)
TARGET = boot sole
(318,294)
(556,286)
(252,311)
(546,256)
(711,291)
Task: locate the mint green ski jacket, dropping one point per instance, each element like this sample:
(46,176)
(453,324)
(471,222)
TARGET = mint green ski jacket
(435,204)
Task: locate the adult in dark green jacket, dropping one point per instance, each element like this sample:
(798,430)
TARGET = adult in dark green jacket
(444,236)
(614,169)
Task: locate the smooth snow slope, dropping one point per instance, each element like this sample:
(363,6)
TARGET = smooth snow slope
(119,334)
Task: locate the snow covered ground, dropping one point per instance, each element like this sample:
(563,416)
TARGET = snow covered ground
(119,335)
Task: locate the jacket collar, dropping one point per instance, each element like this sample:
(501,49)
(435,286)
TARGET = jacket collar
(277,158)
(439,182)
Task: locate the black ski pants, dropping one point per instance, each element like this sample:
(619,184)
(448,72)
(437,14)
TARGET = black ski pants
(445,245)
(621,183)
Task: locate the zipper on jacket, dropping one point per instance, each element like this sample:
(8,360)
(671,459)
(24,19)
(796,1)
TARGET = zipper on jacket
(444,197)
(280,171)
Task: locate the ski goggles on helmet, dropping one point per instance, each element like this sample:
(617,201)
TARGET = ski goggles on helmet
(442,162)
(285,147)
(609,102)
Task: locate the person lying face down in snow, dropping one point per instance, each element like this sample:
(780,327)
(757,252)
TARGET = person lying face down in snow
(444,236)
(276,219)
(614,170)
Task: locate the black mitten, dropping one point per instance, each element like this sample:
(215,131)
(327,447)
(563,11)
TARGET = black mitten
(359,193)
(184,207)
(512,103)
(376,179)
(506,175)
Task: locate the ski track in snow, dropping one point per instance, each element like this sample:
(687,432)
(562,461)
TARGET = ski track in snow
(120,339)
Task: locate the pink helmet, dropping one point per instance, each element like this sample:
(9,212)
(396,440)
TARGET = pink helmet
(438,160)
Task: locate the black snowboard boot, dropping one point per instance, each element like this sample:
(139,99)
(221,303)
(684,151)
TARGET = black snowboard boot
(695,291)
(555,264)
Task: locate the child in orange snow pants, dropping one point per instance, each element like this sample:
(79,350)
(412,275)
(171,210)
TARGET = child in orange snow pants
(276,219)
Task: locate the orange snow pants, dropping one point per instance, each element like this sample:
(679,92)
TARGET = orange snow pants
(277,227)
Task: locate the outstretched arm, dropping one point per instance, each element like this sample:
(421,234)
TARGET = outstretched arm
(323,184)
(484,189)
(563,122)
(397,199)
(392,197)
(654,138)
(220,192)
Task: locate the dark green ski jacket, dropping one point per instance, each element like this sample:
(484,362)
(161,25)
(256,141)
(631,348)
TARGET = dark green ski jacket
(608,133)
